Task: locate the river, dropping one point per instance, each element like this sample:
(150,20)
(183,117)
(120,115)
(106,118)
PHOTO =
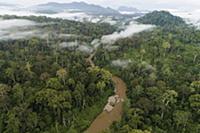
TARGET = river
(105,119)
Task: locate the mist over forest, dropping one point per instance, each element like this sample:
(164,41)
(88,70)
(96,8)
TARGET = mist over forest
(99,67)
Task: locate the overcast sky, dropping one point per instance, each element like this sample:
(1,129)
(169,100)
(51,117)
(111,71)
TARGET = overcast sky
(141,4)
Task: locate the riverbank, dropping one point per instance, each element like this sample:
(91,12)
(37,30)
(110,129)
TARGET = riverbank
(105,119)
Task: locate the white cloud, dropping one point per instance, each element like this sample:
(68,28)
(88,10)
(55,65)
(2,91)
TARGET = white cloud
(121,63)
(15,23)
(18,29)
(144,4)
(185,8)
(129,31)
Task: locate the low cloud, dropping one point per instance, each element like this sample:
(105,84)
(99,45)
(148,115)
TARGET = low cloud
(15,23)
(68,44)
(18,29)
(129,30)
(111,47)
(19,35)
(79,46)
(85,49)
(96,43)
(76,16)
(121,63)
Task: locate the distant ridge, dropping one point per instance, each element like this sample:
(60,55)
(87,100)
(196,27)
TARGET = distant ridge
(76,7)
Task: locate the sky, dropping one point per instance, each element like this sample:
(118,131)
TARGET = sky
(141,4)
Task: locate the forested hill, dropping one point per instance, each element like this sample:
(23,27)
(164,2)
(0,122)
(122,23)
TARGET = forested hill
(76,6)
(47,86)
(44,86)
(58,25)
(162,18)
(161,69)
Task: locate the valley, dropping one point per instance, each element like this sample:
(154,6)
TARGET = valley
(105,119)
(86,68)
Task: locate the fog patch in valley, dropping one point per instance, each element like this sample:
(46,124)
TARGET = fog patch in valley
(108,40)
(76,16)
(111,47)
(69,45)
(18,35)
(14,23)
(96,43)
(79,46)
(18,29)
(129,30)
(121,63)
(21,28)
(85,49)
(67,35)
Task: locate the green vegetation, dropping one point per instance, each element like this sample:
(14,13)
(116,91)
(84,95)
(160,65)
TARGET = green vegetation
(163,79)
(48,89)
(60,26)
(161,18)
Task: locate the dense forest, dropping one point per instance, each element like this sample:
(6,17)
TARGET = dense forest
(161,18)
(45,88)
(161,69)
